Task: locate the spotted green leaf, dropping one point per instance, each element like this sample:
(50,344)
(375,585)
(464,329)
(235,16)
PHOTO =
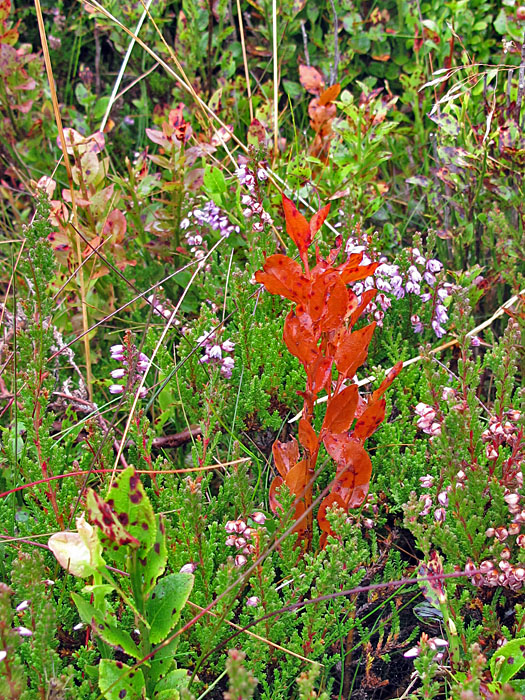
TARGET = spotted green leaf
(508,660)
(117,681)
(165,604)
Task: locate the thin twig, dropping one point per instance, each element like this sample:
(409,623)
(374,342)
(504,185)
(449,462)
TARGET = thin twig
(245,59)
(335,67)
(521,82)
(275,82)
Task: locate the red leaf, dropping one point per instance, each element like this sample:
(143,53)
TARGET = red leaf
(387,381)
(284,276)
(285,455)
(318,220)
(297,226)
(322,284)
(369,421)
(336,307)
(326,504)
(354,468)
(352,350)
(341,410)
(311,79)
(366,298)
(352,274)
(297,478)
(320,374)
(307,436)
(272,494)
(299,338)
(330,94)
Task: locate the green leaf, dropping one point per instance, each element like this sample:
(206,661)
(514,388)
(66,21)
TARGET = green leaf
(162,663)
(165,604)
(117,681)
(156,557)
(171,683)
(508,660)
(125,518)
(100,624)
(214,183)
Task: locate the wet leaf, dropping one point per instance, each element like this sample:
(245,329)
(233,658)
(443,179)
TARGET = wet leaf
(352,350)
(284,276)
(297,226)
(369,421)
(299,338)
(341,410)
(285,455)
(307,436)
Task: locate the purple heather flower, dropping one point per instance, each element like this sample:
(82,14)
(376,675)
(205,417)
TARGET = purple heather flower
(23,605)
(412,287)
(426,297)
(240,560)
(253,601)
(438,330)
(441,313)
(429,278)
(413,274)
(228,346)
(443,499)
(3,654)
(23,631)
(434,265)
(427,481)
(475,341)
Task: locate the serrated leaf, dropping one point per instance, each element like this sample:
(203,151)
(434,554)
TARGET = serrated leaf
(100,624)
(174,681)
(165,604)
(117,680)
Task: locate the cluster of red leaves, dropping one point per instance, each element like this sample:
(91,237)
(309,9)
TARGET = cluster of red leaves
(321,109)
(319,331)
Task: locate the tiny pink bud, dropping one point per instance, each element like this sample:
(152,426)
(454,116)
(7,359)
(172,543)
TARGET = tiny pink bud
(258,517)
(188,568)
(240,560)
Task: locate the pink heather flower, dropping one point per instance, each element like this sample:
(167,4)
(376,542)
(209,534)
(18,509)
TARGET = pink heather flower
(434,266)
(116,389)
(116,349)
(118,373)
(253,601)
(427,481)
(427,296)
(262,174)
(215,352)
(475,341)
(417,326)
(411,653)
(23,605)
(230,526)
(228,346)
(439,515)
(23,631)
(231,540)
(438,330)
(429,278)
(427,504)
(413,274)
(240,560)
(188,568)
(443,498)
(258,517)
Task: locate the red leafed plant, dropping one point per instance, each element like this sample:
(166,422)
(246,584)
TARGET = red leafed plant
(319,331)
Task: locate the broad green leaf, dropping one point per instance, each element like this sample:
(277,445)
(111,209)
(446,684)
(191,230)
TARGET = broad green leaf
(117,681)
(214,181)
(126,517)
(171,683)
(165,604)
(508,660)
(102,626)
(156,557)
(162,663)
